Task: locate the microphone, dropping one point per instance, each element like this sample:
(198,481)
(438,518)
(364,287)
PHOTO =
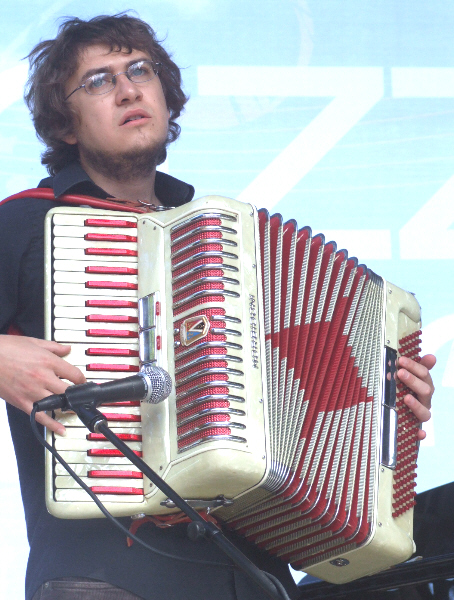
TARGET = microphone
(151,385)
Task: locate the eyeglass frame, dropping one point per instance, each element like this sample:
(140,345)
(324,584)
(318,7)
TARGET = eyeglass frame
(156,69)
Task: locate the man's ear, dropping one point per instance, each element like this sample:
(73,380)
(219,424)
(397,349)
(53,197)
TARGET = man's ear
(70,139)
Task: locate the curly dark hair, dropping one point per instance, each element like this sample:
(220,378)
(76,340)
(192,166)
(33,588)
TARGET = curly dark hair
(53,62)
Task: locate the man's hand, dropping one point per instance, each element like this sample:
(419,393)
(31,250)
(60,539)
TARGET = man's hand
(416,376)
(31,369)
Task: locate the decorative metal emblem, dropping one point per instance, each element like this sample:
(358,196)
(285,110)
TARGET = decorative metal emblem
(193,329)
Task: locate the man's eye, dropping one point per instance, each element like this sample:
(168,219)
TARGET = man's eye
(97,81)
(140,70)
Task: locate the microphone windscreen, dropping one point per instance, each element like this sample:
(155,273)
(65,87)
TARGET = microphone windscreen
(160,383)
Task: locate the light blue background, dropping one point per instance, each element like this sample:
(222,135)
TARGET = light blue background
(338,114)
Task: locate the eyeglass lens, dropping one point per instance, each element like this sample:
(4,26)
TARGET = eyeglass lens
(102,83)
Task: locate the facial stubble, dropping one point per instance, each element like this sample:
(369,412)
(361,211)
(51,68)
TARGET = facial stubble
(125,167)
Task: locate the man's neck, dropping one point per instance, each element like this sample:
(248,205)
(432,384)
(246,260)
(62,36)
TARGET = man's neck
(139,189)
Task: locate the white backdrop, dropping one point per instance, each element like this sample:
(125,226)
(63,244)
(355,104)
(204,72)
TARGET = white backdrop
(338,114)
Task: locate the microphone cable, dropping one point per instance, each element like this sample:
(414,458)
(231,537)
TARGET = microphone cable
(279,587)
(101,506)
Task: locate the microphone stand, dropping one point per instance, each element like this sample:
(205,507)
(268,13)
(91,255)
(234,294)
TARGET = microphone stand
(95,421)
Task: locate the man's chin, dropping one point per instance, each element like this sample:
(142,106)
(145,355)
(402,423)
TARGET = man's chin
(124,166)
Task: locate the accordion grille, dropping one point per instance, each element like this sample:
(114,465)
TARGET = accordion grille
(204,254)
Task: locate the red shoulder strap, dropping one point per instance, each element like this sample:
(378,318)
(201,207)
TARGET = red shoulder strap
(76,199)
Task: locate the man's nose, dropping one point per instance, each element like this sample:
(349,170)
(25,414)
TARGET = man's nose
(126,90)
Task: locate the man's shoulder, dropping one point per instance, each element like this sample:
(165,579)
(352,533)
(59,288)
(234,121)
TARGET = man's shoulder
(25,211)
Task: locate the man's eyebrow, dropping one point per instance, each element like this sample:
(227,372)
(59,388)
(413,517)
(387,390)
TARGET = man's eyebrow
(108,69)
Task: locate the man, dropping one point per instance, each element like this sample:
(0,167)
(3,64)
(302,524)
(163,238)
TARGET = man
(104,96)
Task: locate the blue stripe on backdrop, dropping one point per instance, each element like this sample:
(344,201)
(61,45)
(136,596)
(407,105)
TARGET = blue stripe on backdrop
(340,115)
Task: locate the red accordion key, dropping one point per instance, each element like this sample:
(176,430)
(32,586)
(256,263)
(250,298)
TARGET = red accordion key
(126,437)
(109,223)
(111,270)
(111,285)
(109,237)
(129,491)
(113,368)
(111,352)
(112,333)
(111,304)
(124,417)
(116,474)
(108,452)
(110,252)
(111,319)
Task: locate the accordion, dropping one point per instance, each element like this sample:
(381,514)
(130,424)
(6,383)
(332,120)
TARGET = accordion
(286,421)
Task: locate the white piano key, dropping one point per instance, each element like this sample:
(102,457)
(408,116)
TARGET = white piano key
(79,289)
(81,445)
(83,362)
(81,312)
(82,470)
(80,265)
(77,433)
(99,370)
(78,355)
(66,242)
(72,420)
(70,336)
(76,277)
(67,482)
(80,495)
(79,300)
(79,220)
(79,254)
(77,231)
(121,410)
(83,325)
(100,376)
(81,458)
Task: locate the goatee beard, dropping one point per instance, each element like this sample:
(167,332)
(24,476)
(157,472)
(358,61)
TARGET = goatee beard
(123,167)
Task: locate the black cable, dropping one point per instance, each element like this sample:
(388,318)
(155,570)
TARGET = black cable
(278,585)
(104,510)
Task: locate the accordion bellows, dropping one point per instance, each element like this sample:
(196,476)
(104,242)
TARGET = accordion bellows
(286,419)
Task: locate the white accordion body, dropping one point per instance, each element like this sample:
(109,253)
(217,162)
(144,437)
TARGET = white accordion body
(284,418)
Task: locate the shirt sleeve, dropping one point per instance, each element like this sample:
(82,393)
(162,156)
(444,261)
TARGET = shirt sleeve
(22,265)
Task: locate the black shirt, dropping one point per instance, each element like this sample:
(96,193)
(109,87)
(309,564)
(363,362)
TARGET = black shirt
(94,547)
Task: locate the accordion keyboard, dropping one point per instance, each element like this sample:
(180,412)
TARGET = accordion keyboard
(95,309)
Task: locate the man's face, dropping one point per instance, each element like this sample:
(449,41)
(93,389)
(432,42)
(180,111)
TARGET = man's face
(103,128)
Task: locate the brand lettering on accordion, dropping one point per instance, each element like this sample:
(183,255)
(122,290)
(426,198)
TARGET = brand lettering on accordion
(336,487)
(254,331)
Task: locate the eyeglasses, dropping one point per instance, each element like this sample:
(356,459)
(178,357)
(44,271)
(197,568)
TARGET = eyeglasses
(101,83)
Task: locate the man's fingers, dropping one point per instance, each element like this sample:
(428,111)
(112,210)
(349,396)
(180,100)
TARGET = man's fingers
(429,361)
(65,370)
(41,417)
(417,377)
(421,435)
(50,423)
(421,412)
(54,347)
(422,388)
(420,370)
